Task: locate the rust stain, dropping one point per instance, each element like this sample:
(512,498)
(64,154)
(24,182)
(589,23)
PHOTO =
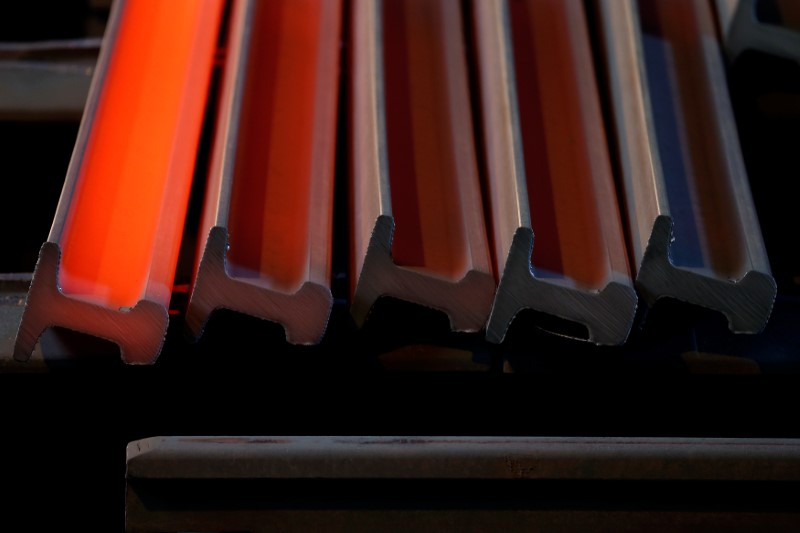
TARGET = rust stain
(517,469)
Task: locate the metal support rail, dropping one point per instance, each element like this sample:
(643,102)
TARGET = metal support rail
(460,484)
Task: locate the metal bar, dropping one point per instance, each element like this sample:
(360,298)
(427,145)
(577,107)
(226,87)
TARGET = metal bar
(459,484)
(46,80)
(108,266)
(396,457)
(742,30)
(269,199)
(559,243)
(418,230)
(694,230)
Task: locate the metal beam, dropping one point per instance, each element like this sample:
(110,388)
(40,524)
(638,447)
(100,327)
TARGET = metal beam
(418,229)
(266,226)
(459,484)
(46,80)
(108,266)
(693,226)
(559,243)
(426,457)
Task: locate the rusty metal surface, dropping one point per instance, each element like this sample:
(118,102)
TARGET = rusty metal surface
(464,457)
(418,234)
(693,226)
(559,243)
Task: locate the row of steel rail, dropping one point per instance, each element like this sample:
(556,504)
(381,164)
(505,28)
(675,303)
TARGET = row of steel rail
(484,178)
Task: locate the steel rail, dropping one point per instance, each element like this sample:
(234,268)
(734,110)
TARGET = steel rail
(459,483)
(693,226)
(559,243)
(108,266)
(267,219)
(417,221)
(430,457)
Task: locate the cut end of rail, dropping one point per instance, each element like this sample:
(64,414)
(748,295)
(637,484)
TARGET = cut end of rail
(607,313)
(303,314)
(139,332)
(466,301)
(746,302)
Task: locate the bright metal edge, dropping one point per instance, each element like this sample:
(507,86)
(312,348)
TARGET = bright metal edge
(496,13)
(420,457)
(507,65)
(384,185)
(237,56)
(85,129)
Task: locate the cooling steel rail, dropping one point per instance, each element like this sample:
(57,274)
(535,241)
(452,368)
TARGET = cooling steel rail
(418,228)
(549,175)
(266,227)
(108,266)
(459,484)
(694,232)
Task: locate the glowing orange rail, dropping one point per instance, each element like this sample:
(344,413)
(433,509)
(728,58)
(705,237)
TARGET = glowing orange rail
(418,228)
(108,266)
(559,243)
(267,239)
